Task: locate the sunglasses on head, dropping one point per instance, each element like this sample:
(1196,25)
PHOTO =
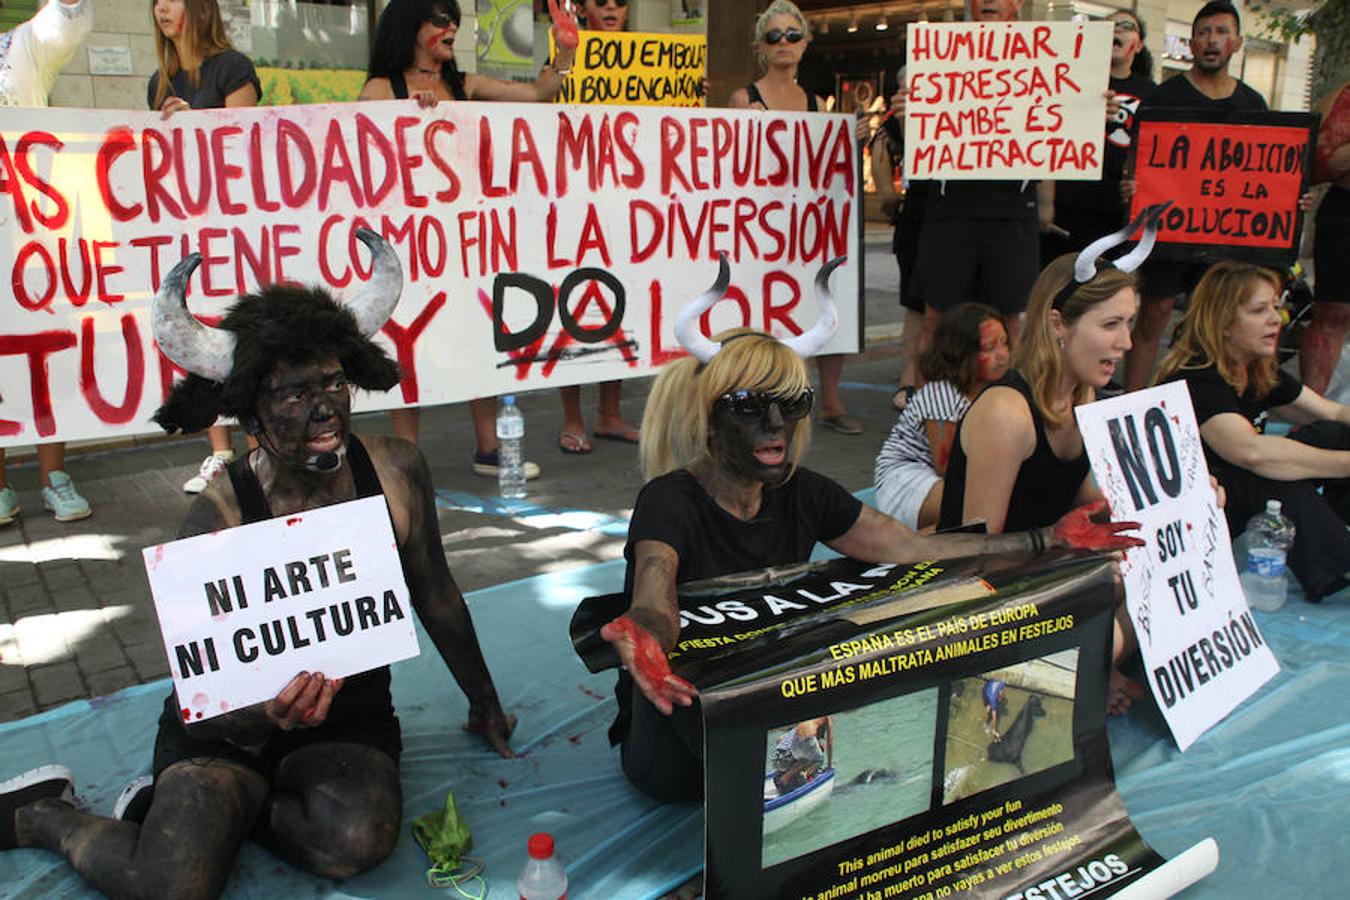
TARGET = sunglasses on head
(791,35)
(442,20)
(754,405)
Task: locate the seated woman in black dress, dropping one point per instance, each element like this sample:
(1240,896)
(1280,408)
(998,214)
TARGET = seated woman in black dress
(722,441)
(1225,351)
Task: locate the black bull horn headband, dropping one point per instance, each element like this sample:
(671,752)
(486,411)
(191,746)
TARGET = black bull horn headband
(806,344)
(209,352)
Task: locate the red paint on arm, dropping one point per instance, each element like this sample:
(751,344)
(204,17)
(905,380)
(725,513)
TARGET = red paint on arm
(1077,530)
(564,26)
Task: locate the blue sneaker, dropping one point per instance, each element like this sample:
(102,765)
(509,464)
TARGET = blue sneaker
(62,500)
(9,505)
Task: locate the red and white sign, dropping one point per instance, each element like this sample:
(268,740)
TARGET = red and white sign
(1000,100)
(541,245)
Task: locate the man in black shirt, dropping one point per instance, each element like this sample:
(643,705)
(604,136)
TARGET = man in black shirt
(1216,34)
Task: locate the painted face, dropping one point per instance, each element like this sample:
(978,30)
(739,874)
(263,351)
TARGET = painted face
(305,413)
(1256,329)
(991,363)
(1096,343)
(1125,40)
(994,10)
(170,16)
(1214,40)
(606,15)
(437,36)
(785,50)
(750,434)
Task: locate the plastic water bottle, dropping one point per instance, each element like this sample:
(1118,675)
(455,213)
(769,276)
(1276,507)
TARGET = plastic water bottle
(510,453)
(1269,536)
(543,877)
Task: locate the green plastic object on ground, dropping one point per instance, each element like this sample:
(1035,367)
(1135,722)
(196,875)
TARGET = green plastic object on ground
(446,838)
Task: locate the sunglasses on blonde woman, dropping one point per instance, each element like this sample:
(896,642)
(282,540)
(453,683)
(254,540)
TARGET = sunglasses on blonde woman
(791,35)
(754,405)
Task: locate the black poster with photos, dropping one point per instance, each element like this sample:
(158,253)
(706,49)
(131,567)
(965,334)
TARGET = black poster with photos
(912,731)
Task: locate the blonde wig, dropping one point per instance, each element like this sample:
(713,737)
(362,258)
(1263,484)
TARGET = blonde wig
(675,424)
(1215,304)
(1038,355)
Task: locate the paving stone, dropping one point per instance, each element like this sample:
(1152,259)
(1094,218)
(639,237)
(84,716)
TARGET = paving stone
(101,684)
(98,652)
(74,597)
(148,660)
(16,705)
(18,575)
(56,684)
(29,600)
(13,676)
(61,575)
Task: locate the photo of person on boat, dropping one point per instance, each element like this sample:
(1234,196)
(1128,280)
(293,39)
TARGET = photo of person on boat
(1008,723)
(830,778)
(800,751)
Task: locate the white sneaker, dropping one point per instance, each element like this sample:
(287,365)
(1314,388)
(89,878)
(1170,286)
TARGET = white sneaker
(211,468)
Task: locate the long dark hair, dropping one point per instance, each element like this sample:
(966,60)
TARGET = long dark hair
(954,354)
(396,36)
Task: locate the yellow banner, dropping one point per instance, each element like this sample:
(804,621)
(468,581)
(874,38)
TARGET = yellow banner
(635,69)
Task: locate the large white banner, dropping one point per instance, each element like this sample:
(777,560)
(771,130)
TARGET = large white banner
(244,610)
(1201,647)
(1006,99)
(542,245)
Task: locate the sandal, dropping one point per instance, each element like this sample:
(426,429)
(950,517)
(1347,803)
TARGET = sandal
(573,444)
(843,424)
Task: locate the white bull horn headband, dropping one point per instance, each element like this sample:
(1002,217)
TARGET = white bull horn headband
(807,344)
(209,352)
(1088,264)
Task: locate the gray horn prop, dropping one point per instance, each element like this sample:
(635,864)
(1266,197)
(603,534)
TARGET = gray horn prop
(1135,258)
(809,343)
(375,303)
(1085,267)
(184,339)
(686,324)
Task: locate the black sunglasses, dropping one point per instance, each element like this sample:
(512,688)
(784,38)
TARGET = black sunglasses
(443,20)
(791,35)
(754,405)
(603,3)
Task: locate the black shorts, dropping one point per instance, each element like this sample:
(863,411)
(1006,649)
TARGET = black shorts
(362,713)
(1164,278)
(990,261)
(1331,247)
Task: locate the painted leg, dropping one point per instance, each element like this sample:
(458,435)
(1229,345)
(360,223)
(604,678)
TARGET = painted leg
(186,848)
(334,810)
(1322,342)
(407,423)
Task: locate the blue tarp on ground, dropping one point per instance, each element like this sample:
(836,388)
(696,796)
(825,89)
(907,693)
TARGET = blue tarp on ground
(1270,783)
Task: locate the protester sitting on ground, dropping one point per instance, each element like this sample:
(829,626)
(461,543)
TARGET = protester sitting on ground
(994,697)
(1325,335)
(199,69)
(414,57)
(313,773)
(1021,436)
(782,35)
(1074,213)
(800,753)
(32,54)
(1225,351)
(722,441)
(969,352)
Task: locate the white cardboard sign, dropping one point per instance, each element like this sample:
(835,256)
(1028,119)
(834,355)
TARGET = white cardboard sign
(1201,648)
(242,611)
(1006,100)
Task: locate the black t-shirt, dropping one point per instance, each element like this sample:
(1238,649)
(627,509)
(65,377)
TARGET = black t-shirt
(221,75)
(981,200)
(1104,195)
(675,510)
(1211,396)
(1177,92)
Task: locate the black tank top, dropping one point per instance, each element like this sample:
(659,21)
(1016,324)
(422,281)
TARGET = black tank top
(367,693)
(757,97)
(399,85)
(1045,487)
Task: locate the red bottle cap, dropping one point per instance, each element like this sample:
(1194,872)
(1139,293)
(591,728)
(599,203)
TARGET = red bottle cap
(541,845)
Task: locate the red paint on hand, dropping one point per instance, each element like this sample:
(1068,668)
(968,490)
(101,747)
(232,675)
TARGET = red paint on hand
(564,26)
(649,665)
(1077,530)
